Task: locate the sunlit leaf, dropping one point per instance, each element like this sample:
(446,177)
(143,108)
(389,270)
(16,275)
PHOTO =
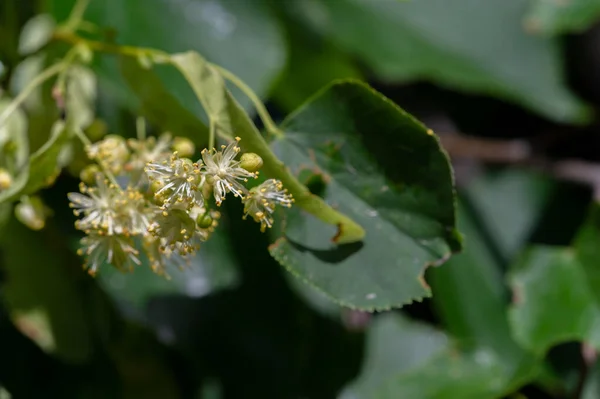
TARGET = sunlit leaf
(351,134)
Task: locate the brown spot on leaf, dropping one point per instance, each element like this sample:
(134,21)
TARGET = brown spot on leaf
(339,233)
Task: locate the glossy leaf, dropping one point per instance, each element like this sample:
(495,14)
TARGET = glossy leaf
(553,301)
(158,104)
(556,17)
(351,134)
(487,53)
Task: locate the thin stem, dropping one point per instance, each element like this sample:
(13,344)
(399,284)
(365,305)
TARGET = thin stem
(38,80)
(69,37)
(81,135)
(211,133)
(76,15)
(264,115)
(140,128)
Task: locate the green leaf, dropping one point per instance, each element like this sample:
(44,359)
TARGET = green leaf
(38,278)
(510,203)
(213,268)
(551,17)
(13,130)
(312,65)
(487,52)
(588,250)
(387,172)
(477,375)
(410,360)
(470,295)
(42,168)
(394,346)
(209,87)
(241,36)
(158,104)
(554,302)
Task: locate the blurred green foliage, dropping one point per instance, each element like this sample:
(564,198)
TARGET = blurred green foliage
(472,281)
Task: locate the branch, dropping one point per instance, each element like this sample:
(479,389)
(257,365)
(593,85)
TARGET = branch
(519,152)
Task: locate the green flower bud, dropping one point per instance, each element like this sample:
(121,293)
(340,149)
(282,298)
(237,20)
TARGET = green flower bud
(88,174)
(204,221)
(184,147)
(251,162)
(96,130)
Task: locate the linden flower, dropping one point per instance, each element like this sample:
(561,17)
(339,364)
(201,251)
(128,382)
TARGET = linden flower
(111,152)
(148,150)
(99,206)
(261,201)
(176,229)
(224,173)
(101,249)
(177,179)
(135,212)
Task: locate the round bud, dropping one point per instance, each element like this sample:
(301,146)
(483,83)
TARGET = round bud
(96,130)
(5,179)
(88,174)
(183,146)
(204,221)
(251,162)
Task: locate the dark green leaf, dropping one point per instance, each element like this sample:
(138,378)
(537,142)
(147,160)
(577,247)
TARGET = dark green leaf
(553,301)
(487,52)
(352,134)
(555,17)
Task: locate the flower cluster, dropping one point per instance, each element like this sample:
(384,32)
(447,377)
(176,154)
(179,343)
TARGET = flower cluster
(146,196)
